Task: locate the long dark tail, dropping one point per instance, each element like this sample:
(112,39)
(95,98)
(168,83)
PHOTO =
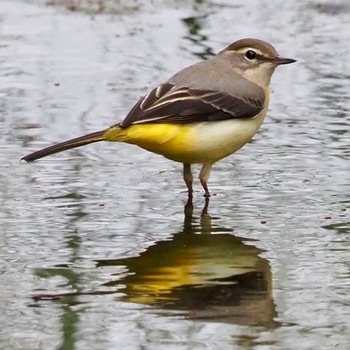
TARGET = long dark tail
(77,142)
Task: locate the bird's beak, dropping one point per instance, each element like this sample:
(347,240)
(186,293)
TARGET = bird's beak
(281,60)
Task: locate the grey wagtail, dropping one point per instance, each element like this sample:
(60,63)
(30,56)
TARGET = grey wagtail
(202,114)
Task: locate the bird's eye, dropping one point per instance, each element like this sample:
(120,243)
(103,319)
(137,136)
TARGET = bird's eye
(250,54)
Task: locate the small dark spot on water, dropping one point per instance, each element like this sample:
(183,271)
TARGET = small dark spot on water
(331,8)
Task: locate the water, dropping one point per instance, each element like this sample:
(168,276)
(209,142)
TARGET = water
(96,248)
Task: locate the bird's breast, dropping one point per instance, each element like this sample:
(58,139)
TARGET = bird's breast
(217,140)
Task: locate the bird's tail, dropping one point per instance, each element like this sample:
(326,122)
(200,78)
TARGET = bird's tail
(77,142)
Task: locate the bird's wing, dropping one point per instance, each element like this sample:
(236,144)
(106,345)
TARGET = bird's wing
(169,104)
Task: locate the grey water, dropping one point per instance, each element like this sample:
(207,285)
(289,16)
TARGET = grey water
(97,247)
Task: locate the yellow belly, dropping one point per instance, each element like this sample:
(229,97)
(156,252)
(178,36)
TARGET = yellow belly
(204,142)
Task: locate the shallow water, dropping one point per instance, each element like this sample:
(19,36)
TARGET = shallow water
(97,248)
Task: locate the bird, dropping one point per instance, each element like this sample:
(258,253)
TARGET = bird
(202,114)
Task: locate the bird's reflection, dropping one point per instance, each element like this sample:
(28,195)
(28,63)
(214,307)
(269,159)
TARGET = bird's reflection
(203,271)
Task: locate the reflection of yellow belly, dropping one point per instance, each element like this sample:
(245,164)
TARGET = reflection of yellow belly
(159,283)
(189,261)
(205,142)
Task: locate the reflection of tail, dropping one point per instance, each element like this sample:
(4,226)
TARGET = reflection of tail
(77,142)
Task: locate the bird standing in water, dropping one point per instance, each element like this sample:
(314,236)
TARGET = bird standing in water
(202,114)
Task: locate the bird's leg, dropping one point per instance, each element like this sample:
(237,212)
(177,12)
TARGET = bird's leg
(188,178)
(204,176)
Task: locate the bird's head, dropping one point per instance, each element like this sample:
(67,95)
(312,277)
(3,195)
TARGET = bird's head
(254,59)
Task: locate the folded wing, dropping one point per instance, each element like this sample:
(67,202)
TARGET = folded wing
(169,104)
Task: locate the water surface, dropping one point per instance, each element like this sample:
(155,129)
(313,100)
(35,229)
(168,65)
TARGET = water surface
(97,249)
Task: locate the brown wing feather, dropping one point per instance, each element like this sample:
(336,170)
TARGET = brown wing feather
(169,104)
